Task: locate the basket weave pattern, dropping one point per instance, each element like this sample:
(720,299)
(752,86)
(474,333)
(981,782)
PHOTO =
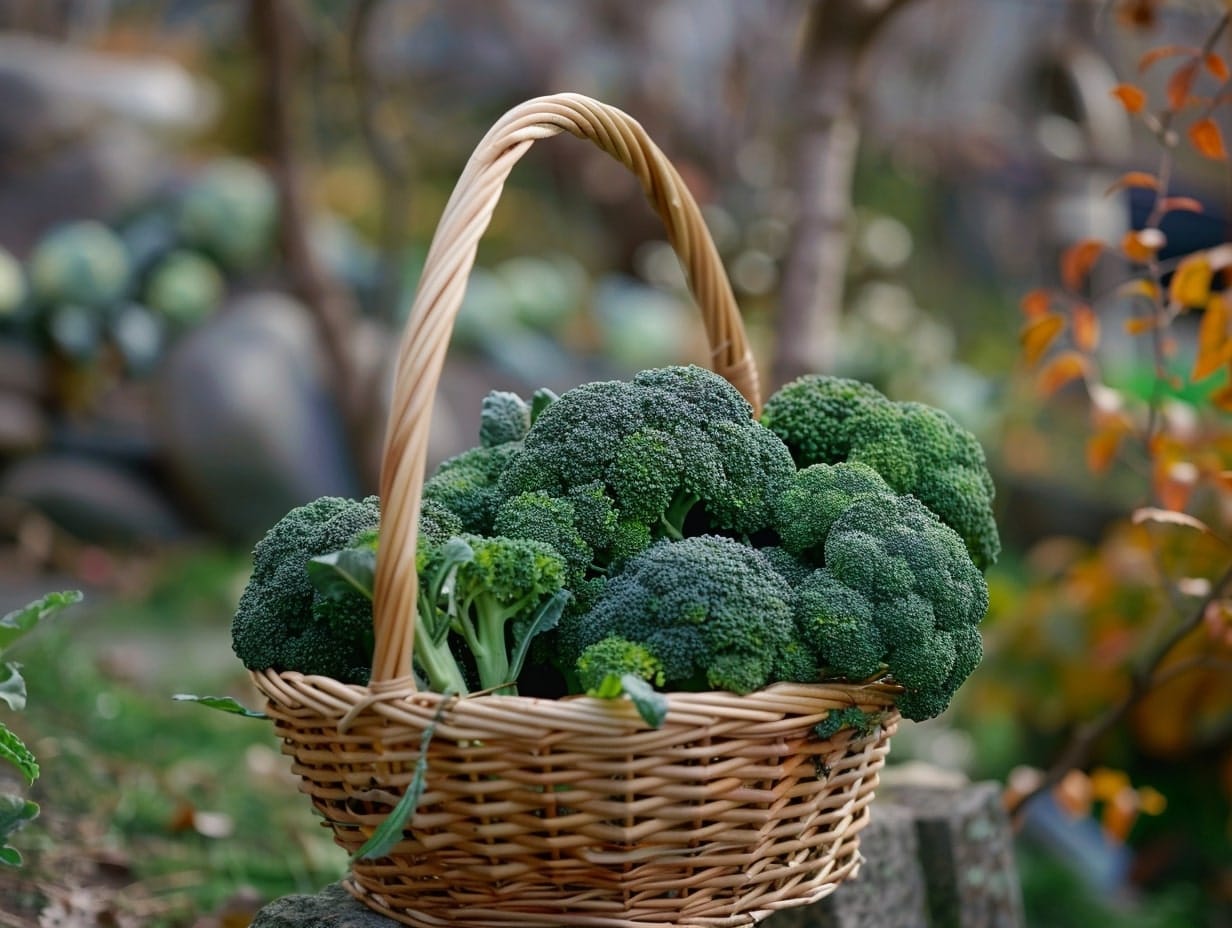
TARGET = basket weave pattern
(571,812)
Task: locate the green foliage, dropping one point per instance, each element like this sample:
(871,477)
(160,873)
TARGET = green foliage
(16,812)
(185,287)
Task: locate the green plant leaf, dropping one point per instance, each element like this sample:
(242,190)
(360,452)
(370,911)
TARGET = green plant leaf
(19,621)
(389,832)
(222,704)
(14,750)
(547,617)
(542,399)
(339,573)
(12,686)
(651,704)
(15,814)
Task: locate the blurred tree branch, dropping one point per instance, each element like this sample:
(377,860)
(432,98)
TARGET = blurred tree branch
(828,95)
(277,36)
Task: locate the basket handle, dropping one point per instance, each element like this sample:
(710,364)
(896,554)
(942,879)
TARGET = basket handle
(441,289)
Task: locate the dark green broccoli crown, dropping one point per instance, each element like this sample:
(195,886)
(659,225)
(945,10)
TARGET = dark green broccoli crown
(504,418)
(837,623)
(797,663)
(811,416)
(317,651)
(276,605)
(915,448)
(616,656)
(437,524)
(711,609)
(671,439)
(548,520)
(466,484)
(817,496)
(791,568)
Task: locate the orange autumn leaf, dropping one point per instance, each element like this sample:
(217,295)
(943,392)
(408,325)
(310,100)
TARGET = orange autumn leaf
(1169,517)
(1168,204)
(1067,366)
(1119,815)
(1139,287)
(1141,245)
(1138,179)
(1216,65)
(1102,448)
(1222,398)
(1077,261)
(1085,326)
(1191,284)
(1164,51)
(1035,303)
(1038,334)
(1131,97)
(1207,139)
(1214,348)
(1140,325)
(1174,484)
(1180,83)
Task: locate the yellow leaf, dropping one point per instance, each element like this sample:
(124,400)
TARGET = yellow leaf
(1106,782)
(1191,283)
(1085,326)
(1077,261)
(1207,139)
(1102,448)
(1067,366)
(1214,349)
(1139,325)
(1139,287)
(1038,334)
(1151,801)
(1035,303)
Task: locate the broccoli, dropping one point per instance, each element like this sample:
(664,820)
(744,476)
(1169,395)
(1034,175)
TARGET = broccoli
(918,450)
(864,723)
(466,484)
(504,418)
(282,622)
(923,591)
(493,593)
(817,496)
(615,657)
(675,444)
(713,611)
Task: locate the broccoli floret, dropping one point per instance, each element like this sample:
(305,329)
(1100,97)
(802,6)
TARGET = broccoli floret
(712,610)
(504,418)
(466,484)
(926,594)
(548,520)
(675,444)
(918,450)
(615,657)
(279,606)
(864,723)
(490,592)
(437,523)
(836,622)
(817,496)
(791,568)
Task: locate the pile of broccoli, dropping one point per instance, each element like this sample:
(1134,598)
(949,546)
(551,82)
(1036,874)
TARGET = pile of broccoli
(649,535)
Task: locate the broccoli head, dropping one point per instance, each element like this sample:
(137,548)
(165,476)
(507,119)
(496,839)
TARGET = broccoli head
(673,444)
(282,622)
(915,448)
(504,418)
(615,657)
(926,594)
(713,611)
(817,496)
(466,484)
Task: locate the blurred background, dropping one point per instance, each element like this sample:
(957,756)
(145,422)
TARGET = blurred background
(212,219)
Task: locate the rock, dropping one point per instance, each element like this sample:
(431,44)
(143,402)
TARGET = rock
(333,907)
(93,500)
(22,426)
(966,849)
(249,428)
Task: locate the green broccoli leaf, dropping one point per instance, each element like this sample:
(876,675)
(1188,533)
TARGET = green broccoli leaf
(20,621)
(546,618)
(339,573)
(14,750)
(542,399)
(651,704)
(12,686)
(222,704)
(15,814)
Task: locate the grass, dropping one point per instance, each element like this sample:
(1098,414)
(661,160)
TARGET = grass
(161,810)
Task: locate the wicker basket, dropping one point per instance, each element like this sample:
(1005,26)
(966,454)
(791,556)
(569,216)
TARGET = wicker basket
(571,812)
